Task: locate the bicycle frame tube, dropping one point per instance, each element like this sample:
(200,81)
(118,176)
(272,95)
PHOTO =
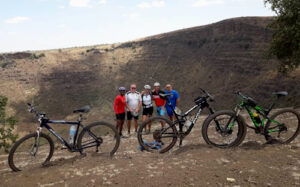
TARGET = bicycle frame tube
(63,141)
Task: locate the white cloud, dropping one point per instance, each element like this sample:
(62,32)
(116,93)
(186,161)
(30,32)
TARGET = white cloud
(61,7)
(202,3)
(62,25)
(102,1)
(151,4)
(17,19)
(79,3)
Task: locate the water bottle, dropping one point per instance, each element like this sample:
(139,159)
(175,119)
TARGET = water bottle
(257,119)
(188,123)
(72,134)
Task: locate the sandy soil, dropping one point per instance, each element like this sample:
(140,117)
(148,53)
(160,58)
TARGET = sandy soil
(194,164)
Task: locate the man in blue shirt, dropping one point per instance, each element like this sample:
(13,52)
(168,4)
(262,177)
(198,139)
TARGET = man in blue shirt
(174,99)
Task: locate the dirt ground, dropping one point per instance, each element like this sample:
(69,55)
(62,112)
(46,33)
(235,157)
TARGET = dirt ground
(194,164)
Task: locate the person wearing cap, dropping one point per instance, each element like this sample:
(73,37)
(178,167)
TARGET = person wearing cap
(147,105)
(133,104)
(159,101)
(119,108)
(174,99)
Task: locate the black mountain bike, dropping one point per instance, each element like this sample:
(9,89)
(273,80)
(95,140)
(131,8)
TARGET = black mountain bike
(164,133)
(37,148)
(283,126)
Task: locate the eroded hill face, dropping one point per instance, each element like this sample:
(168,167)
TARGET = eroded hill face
(221,57)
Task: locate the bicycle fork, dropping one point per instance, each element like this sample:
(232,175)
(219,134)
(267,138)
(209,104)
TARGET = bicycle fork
(35,146)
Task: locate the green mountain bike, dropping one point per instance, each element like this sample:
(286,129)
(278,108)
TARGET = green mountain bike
(228,128)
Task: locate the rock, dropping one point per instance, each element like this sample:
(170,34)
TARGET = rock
(230,179)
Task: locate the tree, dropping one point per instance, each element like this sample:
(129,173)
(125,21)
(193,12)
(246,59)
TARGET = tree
(285,44)
(6,126)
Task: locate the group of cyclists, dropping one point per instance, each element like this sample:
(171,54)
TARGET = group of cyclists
(129,104)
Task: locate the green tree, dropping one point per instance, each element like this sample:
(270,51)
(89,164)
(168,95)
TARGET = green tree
(285,44)
(6,126)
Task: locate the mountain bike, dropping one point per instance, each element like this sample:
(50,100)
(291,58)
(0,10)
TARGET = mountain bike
(164,132)
(282,126)
(37,148)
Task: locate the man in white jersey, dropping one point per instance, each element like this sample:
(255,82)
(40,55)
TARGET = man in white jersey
(133,103)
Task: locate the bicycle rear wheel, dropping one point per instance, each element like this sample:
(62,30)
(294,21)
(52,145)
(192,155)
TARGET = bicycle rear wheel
(214,132)
(284,125)
(161,138)
(101,134)
(28,152)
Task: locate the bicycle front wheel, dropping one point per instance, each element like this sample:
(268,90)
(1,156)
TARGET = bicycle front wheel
(284,125)
(30,151)
(99,137)
(215,133)
(161,137)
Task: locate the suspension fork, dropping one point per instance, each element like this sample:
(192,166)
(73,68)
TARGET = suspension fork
(237,112)
(35,146)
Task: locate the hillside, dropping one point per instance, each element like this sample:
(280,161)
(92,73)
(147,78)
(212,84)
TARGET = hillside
(220,57)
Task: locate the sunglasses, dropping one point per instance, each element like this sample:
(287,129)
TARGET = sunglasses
(133,88)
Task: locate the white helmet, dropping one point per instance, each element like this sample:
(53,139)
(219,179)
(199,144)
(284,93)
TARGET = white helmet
(148,87)
(156,84)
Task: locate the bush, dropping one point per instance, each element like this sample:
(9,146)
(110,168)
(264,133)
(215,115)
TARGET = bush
(35,56)
(6,64)
(7,125)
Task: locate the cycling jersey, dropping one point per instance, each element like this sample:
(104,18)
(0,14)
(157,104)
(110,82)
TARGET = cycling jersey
(159,101)
(119,105)
(133,99)
(146,100)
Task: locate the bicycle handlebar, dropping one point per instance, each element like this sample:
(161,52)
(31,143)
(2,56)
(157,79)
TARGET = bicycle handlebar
(211,98)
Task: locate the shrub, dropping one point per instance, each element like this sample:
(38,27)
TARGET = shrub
(7,125)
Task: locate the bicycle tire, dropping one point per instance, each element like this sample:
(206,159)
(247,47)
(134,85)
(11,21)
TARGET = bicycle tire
(11,157)
(168,124)
(115,137)
(297,124)
(242,129)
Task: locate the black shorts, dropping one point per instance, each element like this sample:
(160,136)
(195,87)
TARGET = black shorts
(120,116)
(148,111)
(130,116)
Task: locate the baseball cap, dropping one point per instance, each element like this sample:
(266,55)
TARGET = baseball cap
(156,84)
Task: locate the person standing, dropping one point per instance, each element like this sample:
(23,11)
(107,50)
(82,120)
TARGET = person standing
(133,103)
(174,99)
(159,101)
(119,108)
(147,105)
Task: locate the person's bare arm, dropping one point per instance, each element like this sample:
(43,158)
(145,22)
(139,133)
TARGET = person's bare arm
(177,101)
(129,107)
(138,108)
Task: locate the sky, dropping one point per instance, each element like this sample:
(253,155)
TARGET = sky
(53,24)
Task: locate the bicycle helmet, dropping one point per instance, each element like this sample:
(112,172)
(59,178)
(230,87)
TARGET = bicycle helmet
(148,87)
(156,84)
(122,88)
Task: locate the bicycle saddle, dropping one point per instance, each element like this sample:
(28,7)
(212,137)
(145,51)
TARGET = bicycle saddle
(84,109)
(280,94)
(165,95)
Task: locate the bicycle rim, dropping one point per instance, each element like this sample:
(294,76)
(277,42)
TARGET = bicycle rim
(102,134)
(217,135)
(28,152)
(161,137)
(284,126)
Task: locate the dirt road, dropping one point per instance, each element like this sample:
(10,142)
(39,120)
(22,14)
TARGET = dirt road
(194,164)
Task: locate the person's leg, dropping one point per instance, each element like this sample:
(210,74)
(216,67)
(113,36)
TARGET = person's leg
(136,124)
(129,118)
(128,126)
(144,119)
(150,112)
(170,113)
(121,126)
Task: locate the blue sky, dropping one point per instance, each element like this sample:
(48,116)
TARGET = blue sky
(51,24)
